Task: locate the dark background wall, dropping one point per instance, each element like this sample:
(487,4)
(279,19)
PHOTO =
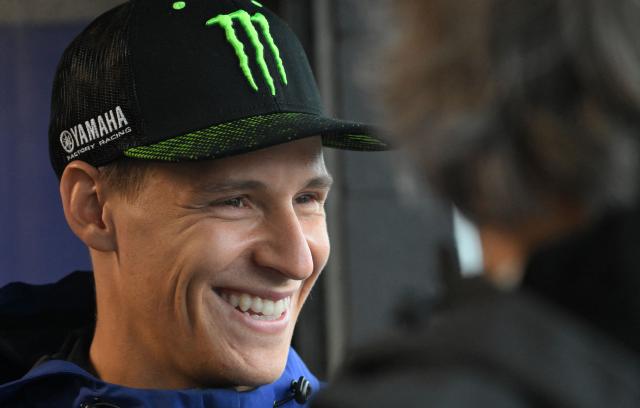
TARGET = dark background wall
(35,243)
(390,241)
(385,242)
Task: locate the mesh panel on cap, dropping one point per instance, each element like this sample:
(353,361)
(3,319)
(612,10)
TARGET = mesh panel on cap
(256,132)
(94,76)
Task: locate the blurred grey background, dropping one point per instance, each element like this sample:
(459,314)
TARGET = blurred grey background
(388,240)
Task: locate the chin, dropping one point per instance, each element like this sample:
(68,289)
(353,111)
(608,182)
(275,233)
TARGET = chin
(263,375)
(258,379)
(237,378)
(261,371)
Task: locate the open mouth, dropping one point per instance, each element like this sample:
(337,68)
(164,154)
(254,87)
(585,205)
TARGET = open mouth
(255,307)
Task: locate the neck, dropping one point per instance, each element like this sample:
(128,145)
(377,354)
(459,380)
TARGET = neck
(506,250)
(504,256)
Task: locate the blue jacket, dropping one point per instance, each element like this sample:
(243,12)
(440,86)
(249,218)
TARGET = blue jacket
(58,383)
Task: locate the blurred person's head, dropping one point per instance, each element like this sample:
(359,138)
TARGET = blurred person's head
(523,113)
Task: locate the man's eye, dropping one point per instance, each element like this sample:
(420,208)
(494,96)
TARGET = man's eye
(236,202)
(306,199)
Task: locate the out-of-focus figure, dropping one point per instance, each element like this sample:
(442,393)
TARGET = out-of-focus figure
(526,115)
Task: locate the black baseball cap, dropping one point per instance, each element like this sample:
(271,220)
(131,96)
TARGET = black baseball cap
(188,80)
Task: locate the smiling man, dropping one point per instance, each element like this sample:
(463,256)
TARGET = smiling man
(188,140)
(218,256)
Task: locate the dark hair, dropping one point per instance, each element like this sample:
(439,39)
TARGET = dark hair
(126,176)
(512,104)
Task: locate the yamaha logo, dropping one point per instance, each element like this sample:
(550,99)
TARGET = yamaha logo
(66,140)
(98,131)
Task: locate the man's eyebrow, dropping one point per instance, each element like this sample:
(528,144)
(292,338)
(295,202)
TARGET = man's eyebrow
(324,181)
(231,185)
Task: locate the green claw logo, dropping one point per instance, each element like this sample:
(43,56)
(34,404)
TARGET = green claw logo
(247,22)
(251,24)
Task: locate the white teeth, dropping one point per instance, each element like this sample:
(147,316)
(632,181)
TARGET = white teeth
(245,302)
(264,309)
(267,308)
(278,307)
(256,305)
(234,300)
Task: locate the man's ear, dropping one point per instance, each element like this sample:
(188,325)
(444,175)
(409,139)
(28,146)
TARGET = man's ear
(84,208)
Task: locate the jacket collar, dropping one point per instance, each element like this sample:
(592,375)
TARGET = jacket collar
(75,386)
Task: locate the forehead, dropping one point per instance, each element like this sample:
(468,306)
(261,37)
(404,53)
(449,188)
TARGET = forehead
(298,159)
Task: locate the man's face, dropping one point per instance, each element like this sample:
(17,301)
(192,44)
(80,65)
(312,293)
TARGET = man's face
(216,259)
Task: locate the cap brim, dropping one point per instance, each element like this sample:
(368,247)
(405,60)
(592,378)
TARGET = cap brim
(257,132)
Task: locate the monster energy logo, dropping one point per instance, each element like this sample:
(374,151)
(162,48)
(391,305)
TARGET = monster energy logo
(247,22)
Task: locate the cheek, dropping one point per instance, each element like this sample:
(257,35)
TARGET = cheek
(174,262)
(208,252)
(143,245)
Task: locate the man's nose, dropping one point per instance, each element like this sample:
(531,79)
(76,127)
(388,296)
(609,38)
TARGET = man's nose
(284,246)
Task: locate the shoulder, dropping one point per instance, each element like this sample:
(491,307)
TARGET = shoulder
(499,349)
(35,320)
(56,383)
(450,387)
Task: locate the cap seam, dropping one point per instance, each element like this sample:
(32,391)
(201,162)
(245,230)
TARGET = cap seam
(131,39)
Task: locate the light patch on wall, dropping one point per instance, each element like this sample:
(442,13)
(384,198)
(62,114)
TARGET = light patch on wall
(468,245)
